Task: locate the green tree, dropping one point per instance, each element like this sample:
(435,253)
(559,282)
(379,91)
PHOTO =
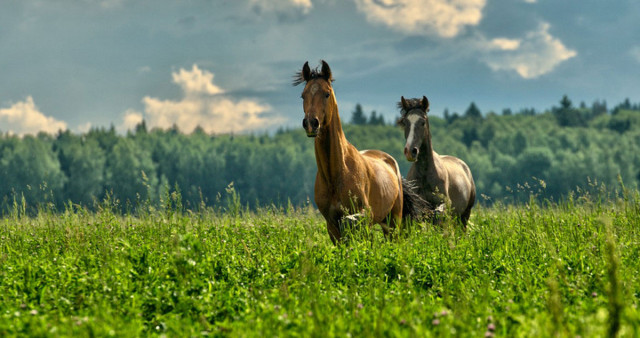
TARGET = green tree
(566,115)
(534,162)
(83,162)
(29,168)
(130,172)
(375,119)
(473,112)
(598,108)
(358,117)
(450,118)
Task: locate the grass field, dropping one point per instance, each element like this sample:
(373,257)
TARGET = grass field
(541,269)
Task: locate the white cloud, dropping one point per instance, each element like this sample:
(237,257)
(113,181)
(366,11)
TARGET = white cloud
(25,118)
(536,54)
(84,128)
(506,44)
(282,6)
(204,104)
(131,119)
(196,81)
(445,18)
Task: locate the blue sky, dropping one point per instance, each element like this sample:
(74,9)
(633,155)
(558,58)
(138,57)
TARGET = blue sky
(227,65)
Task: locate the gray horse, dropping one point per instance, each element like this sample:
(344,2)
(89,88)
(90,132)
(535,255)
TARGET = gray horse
(442,180)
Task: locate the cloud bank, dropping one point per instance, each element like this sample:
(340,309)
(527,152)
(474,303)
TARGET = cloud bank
(25,118)
(444,18)
(203,104)
(536,54)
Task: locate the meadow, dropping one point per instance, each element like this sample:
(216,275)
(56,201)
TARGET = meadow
(541,268)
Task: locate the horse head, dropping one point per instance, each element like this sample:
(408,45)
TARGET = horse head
(415,122)
(319,102)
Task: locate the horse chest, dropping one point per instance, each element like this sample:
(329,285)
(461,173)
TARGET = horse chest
(429,184)
(336,199)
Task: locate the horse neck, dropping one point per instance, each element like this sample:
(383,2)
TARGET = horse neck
(331,146)
(430,162)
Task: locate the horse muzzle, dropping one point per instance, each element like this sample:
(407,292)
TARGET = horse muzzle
(411,155)
(311,126)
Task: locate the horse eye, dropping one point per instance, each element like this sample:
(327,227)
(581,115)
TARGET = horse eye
(326,96)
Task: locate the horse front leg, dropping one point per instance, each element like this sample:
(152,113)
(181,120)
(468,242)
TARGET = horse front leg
(392,225)
(350,224)
(334,232)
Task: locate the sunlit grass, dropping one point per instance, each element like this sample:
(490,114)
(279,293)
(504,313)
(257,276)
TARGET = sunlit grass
(540,269)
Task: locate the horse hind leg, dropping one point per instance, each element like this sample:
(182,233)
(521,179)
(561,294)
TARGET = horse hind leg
(464,218)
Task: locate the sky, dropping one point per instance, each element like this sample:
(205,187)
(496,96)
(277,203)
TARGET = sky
(227,66)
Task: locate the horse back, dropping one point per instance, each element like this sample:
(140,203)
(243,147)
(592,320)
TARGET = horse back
(378,155)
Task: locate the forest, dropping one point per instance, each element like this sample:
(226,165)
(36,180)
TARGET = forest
(513,156)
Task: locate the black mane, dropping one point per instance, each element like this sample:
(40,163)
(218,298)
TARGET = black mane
(415,103)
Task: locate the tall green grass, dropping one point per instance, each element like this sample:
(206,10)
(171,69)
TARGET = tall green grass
(541,269)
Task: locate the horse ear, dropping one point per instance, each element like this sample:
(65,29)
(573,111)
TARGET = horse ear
(404,104)
(326,71)
(425,104)
(306,71)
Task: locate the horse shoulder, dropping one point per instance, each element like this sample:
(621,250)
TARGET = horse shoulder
(379,155)
(456,165)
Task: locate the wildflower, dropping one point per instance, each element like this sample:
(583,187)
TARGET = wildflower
(435,322)
(491,327)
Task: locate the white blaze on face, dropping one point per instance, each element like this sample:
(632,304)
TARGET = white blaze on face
(412,128)
(314,89)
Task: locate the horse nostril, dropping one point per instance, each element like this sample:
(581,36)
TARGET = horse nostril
(305,123)
(414,152)
(315,123)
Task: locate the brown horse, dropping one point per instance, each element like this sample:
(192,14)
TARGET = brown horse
(350,184)
(441,179)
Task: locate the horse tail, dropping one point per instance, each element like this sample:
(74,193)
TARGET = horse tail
(414,206)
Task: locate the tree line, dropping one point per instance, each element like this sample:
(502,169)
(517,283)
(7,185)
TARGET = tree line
(512,156)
